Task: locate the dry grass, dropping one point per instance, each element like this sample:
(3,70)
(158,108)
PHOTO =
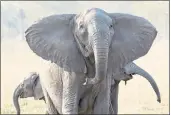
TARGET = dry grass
(136,97)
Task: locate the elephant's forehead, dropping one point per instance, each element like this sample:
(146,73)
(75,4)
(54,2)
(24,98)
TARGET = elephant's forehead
(27,79)
(94,10)
(30,76)
(96,14)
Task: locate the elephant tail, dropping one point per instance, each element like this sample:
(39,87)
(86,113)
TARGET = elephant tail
(132,68)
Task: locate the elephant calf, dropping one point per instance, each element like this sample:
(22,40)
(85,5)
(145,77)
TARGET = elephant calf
(29,87)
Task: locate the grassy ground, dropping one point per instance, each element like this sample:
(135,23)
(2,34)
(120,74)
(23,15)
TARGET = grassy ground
(136,97)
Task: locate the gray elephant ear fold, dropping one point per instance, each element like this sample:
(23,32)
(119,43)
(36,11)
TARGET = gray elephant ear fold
(133,38)
(52,39)
(37,90)
(34,78)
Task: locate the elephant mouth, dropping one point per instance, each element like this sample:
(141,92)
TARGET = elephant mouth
(130,77)
(127,77)
(21,95)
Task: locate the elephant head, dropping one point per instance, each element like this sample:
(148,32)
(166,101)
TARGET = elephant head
(69,39)
(29,87)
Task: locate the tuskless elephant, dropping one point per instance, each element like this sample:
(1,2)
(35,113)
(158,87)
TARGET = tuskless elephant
(84,51)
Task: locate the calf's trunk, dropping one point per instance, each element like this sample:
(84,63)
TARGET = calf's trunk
(16,95)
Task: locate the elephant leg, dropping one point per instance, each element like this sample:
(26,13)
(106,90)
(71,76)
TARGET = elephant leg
(46,113)
(51,81)
(70,98)
(102,103)
(83,105)
(114,97)
(50,106)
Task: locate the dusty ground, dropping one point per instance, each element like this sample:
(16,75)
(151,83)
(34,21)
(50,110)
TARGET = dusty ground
(136,97)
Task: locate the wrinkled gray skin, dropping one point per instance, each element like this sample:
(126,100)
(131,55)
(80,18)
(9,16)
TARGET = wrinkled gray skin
(94,45)
(129,70)
(29,87)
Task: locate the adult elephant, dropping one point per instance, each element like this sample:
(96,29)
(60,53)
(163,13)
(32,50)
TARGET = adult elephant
(104,42)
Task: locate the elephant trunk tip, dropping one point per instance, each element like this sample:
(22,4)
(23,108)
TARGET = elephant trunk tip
(159,100)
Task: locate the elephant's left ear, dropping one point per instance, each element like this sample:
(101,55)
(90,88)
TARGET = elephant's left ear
(132,39)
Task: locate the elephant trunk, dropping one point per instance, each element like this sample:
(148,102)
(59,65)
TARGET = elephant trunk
(101,49)
(134,69)
(16,95)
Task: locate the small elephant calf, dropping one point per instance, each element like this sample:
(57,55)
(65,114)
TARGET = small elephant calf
(29,87)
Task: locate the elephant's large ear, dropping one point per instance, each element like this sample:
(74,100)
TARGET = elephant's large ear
(132,39)
(37,89)
(52,39)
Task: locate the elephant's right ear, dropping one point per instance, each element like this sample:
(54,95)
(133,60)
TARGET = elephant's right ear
(52,39)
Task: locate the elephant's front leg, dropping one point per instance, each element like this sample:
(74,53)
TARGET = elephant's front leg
(70,99)
(50,106)
(114,97)
(102,102)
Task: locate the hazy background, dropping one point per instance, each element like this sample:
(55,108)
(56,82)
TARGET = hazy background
(17,60)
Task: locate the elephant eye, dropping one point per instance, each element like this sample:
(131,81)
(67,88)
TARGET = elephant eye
(111,26)
(81,26)
(22,85)
(82,29)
